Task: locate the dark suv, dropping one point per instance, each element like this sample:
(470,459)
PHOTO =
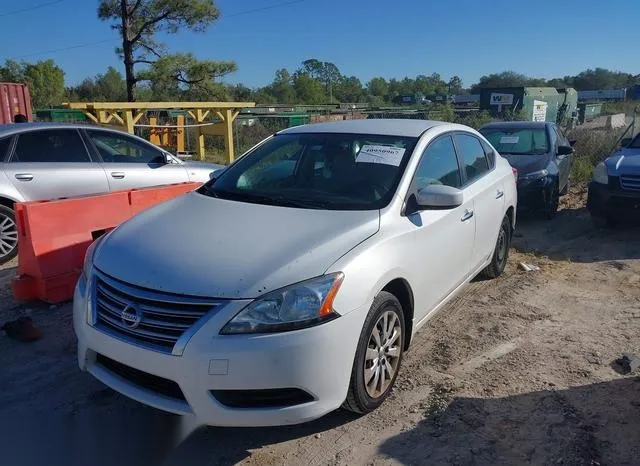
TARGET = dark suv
(614,191)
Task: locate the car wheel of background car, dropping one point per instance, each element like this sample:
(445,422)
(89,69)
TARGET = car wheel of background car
(551,209)
(565,190)
(8,235)
(501,252)
(378,355)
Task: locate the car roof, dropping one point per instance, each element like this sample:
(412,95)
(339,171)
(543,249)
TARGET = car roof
(517,125)
(382,126)
(14,128)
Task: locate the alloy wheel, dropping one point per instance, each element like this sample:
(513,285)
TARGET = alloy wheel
(383,354)
(8,236)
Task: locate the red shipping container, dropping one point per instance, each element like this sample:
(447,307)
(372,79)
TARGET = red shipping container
(14,99)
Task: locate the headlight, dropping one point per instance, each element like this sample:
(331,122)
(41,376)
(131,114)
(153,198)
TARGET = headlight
(535,175)
(297,306)
(600,174)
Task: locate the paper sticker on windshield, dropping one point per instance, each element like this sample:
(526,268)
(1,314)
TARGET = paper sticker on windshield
(380,154)
(509,139)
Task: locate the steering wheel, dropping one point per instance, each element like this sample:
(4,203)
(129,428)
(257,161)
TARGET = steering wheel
(378,189)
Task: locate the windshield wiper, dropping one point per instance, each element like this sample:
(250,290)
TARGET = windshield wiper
(275,199)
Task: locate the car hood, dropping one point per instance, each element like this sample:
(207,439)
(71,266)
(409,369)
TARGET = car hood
(202,246)
(527,163)
(200,171)
(624,161)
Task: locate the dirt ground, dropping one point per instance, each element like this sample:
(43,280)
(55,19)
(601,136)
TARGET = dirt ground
(514,371)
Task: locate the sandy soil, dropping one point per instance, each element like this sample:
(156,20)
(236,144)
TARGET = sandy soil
(518,370)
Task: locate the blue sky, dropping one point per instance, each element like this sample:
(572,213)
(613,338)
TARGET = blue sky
(366,38)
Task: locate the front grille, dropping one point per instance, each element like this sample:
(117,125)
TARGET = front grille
(630,182)
(141,379)
(148,318)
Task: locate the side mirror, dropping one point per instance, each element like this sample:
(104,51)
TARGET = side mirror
(572,142)
(438,196)
(625,142)
(565,150)
(215,174)
(167,157)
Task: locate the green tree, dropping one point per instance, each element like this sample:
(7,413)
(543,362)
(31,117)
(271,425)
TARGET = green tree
(138,22)
(45,79)
(282,87)
(454,85)
(349,90)
(378,87)
(325,72)
(308,90)
(601,78)
(504,79)
(182,76)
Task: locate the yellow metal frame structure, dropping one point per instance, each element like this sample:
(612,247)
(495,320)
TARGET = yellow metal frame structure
(128,114)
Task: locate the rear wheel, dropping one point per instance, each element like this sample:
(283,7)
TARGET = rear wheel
(8,235)
(378,355)
(501,252)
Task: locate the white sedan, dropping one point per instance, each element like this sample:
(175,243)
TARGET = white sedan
(292,283)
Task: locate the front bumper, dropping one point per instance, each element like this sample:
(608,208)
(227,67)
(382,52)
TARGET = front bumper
(534,194)
(316,360)
(611,201)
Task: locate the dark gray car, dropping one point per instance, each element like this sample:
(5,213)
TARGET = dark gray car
(543,156)
(42,161)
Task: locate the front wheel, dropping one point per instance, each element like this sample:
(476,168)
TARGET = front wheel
(553,202)
(8,235)
(501,252)
(378,355)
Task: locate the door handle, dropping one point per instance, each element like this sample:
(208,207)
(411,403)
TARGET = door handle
(117,175)
(467,215)
(499,194)
(24,176)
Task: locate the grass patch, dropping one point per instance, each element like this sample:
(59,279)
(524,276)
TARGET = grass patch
(592,147)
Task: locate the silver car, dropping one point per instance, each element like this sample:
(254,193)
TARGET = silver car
(42,161)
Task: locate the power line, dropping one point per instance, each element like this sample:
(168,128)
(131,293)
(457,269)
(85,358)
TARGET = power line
(89,44)
(31,8)
(86,44)
(262,8)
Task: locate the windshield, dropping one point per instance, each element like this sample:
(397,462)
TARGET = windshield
(517,141)
(635,144)
(332,171)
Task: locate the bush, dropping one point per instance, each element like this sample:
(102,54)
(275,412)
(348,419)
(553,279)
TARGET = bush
(592,147)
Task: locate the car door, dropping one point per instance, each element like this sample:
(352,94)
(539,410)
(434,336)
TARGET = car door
(484,185)
(131,163)
(443,237)
(563,161)
(53,163)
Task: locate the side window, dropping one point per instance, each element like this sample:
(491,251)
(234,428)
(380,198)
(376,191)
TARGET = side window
(490,153)
(53,145)
(439,165)
(472,155)
(120,148)
(4,147)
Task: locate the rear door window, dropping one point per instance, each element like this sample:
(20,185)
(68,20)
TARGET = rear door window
(120,148)
(474,160)
(50,146)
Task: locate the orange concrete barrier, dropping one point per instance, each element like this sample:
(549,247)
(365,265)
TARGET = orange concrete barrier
(53,236)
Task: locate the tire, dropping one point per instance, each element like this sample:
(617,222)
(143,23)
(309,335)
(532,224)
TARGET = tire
(565,190)
(551,209)
(365,395)
(501,251)
(8,235)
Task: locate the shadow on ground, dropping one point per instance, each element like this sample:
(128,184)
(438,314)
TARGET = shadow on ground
(572,236)
(586,425)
